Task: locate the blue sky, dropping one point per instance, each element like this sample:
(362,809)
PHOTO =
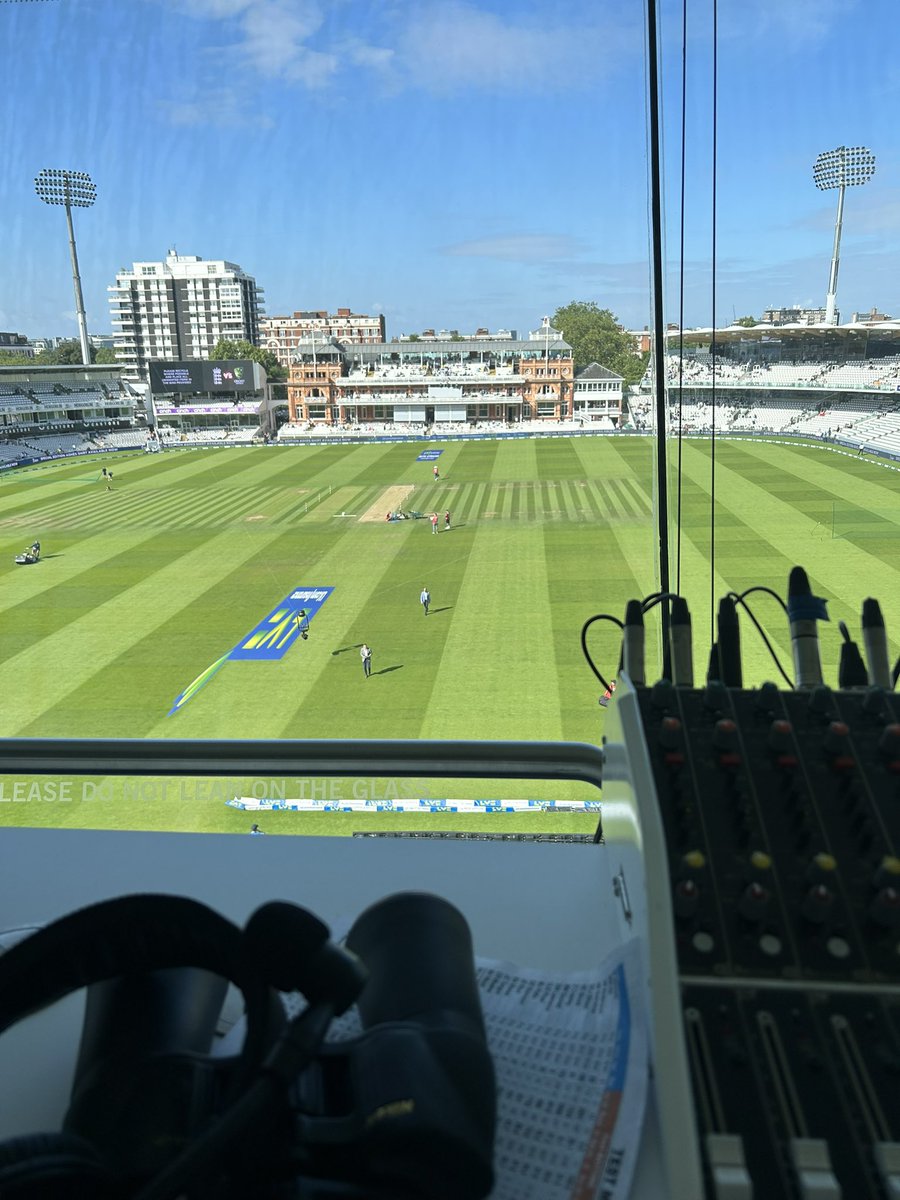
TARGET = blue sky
(450,163)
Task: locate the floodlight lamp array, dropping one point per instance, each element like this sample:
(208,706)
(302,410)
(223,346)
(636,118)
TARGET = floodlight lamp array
(75,189)
(847,166)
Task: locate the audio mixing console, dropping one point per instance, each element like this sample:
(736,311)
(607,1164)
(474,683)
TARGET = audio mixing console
(760,831)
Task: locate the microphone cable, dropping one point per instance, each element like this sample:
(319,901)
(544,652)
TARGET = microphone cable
(584,650)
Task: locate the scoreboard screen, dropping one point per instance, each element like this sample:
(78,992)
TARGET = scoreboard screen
(201,375)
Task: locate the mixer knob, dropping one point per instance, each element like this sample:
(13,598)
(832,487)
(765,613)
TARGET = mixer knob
(760,862)
(693,861)
(885,908)
(822,868)
(670,734)
(754,901)
(817,904)
(887,874)
(837,738)
(767,697)
(725,735)
(780,739)
(687,898)
(889,742)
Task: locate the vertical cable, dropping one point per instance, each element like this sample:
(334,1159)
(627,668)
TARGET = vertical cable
(679,472)
(659,328)
(713,344)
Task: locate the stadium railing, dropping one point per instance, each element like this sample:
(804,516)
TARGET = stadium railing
(576,762)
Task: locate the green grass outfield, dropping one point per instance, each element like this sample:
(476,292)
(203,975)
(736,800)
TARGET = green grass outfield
(144,587)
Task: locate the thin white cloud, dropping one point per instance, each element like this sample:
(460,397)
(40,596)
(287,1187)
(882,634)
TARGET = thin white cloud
(875,212)
(631,276)
(875,217)
(439,46)
(224,108)
(271,38)
(447,47)
(795,23)
(274,42)
(522,247)
(213,9)
(376,58)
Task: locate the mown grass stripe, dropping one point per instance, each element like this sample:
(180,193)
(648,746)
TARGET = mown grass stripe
(528,503)
(503,588)
(745,554)
(169,656)
(293,508)
(106,632)
(490,503)
(621,495)
(592,501)
(227,508)
(380,605)
(641,498)
(572,491)
(516,501)
(559,498)
(66,568)
(476,504)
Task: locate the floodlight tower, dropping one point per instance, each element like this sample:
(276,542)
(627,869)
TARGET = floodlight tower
(74,189)
(847,166)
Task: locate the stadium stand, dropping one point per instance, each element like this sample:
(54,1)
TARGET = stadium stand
(121,439)
(765,381)
(778,380)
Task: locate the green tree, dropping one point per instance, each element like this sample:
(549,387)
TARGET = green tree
(747,322)
(69,353)
(596,336)
(65,354)
(225,349)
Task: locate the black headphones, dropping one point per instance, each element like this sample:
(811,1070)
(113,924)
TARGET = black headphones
(283,947)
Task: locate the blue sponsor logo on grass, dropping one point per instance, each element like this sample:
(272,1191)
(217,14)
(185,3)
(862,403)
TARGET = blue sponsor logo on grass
(275,634)
(429,455)
(268,641)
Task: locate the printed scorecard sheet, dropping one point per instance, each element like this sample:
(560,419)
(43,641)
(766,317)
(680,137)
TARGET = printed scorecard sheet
(570,1052)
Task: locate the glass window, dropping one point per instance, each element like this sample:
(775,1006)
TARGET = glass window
(502,200)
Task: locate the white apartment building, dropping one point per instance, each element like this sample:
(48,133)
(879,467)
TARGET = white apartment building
(179,309)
